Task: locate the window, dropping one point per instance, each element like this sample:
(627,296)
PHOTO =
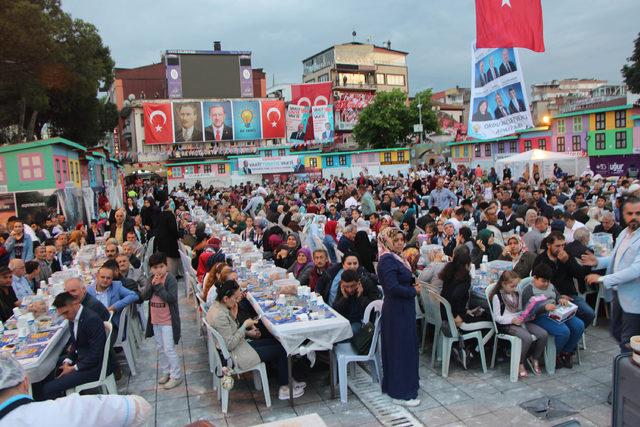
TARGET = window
(330,161)
(65,174)
(477,150)
(189,170)
(207,168)
(342,160)
(31,167)
(561,126)
(527,144)
(621,120)
(513,147)
(466,151)
(600,141)
(58,172)
(72,172)
(313,162)
(351,79)
(395,79)
(621,140)
(324,78)
(380,79)
(560,144)
(542,144)
(3,171)
(600,121)
(487,150)
(176,172)
(267,153)
(577,124)
(576,143)
(500,147)
(401,156)
(281,152)
(222,168)
(387,157)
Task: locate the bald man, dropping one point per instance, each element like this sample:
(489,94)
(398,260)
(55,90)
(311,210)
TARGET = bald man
(78,291)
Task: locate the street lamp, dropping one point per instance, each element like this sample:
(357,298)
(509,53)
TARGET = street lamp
(420,119)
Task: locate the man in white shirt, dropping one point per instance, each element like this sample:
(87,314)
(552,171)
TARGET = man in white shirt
(352,201)
(571,225)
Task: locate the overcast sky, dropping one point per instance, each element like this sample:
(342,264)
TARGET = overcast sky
(584,38)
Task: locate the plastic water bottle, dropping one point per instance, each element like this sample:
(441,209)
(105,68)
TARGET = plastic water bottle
(44,287)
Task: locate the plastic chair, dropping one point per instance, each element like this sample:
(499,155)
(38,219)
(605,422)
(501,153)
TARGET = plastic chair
(515,342)
(345,354)
(600,297)
(147,254)
(107,383)
(259,371)
(447,342)
(431,317)
(124,341)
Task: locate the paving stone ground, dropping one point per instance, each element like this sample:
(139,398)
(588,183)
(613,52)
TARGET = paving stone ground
(465,398)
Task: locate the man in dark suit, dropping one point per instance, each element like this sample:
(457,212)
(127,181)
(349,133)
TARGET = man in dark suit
(299,134)
(501,110)
(507,66)
(481,78)
(492,72)
(218,130)
(83,358)
(245,168)
(328,133)
(187,123)
(515,105)
(299,167)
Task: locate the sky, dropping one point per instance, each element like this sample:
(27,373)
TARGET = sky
(583,38)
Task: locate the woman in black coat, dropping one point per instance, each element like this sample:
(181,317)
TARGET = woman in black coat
(365,250)
(456,282)
(166,239)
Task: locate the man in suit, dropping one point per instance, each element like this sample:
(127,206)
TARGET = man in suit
(328,133)
(218,130)
(507,66)
(492,72)
(111,213)
(63,253)
(77,290)
(245,168)
(121,226)
(188,125)
(299,134)
(83,359)
(622,279)
(112,294)
(481,78)
(515,105)
(299,167)
(501,110)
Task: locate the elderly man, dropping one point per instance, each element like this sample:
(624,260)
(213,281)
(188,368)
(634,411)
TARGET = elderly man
(63,253)
(129,250)
(112,294)
(608,225)
(346,243)
(50,257)
(111,251)
(121,226)
(40,252)
(127,271)
(78,291)
(19,281)
(533,238)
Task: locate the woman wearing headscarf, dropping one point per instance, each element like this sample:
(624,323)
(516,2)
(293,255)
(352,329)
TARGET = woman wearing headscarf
(302,263)
(436,262)
(330,240)
(287,252)
(410,230)
(399,350)
(485,246)
(259,225)
(365,250)
(516,252)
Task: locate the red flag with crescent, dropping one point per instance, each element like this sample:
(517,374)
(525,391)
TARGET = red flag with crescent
(158,123)
(509,23)
(273,119)
(311,95)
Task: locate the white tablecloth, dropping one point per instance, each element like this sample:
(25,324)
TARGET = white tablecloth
(322,333)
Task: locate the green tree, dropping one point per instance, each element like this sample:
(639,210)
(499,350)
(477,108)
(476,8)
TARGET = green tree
(429,117)
(51,69)
(631,71)
(386,122)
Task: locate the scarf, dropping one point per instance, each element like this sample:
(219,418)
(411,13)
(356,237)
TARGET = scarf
(510,300)
(297,267)
(385,243)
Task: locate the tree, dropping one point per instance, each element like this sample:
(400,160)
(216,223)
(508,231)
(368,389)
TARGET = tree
(430,121)
(51,70)
(631,72)
(385,122)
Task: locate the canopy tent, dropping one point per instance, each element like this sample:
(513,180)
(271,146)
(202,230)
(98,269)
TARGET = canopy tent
(542,161)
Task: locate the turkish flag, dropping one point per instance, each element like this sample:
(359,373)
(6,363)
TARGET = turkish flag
(158,123)
(273,119)
(509,23)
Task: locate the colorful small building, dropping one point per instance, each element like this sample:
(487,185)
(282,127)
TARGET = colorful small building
(208,172)
(534,138)
(349,164)
(484,152)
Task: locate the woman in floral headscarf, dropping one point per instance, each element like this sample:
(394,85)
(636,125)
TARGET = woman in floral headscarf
(399,350)
(516,252)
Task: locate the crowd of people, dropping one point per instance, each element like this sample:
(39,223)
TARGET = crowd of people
(352,241)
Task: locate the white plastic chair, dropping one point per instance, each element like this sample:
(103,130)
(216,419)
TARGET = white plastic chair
(515,342)
(259,371)
(447,342)
(107,383)
(345,354)
(147,254)
(124,341)
(431,317)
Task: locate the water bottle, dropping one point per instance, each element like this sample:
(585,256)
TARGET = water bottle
(43,286)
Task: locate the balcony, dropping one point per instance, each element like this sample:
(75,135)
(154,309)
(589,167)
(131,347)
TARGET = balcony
(354,86)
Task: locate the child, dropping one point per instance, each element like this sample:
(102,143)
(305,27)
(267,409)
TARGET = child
(164,319)
(566,334)
(506,312)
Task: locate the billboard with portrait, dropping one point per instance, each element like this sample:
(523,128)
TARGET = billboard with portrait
(279,164)
(323,123)
(348,108)
(218,120)
(297,117)
(246,120)
(499,104)
(187,121)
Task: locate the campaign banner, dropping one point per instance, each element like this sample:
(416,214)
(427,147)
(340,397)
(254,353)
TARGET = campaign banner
(616,165)
(499,104)
(311,94)
(348,108)
(322,123)
(273,119)
(158,123)
(246,76)
(297,117)
(174,76)
(280,164)
(246,120)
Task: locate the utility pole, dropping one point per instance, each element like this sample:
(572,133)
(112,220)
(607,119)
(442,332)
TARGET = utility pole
(420,118)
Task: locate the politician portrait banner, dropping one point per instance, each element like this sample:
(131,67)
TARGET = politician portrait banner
(280,164)
(187,121)
(218,120)
(322,123)
(297,117)
(499,104)
(246,120)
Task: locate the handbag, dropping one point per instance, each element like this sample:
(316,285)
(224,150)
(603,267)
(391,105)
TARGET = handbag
(361,341)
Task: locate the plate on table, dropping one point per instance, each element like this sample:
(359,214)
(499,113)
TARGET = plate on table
(30,351)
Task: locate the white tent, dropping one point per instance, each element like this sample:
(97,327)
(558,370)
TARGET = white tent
(543,161)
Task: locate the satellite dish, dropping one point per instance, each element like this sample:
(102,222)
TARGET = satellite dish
(131,97)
